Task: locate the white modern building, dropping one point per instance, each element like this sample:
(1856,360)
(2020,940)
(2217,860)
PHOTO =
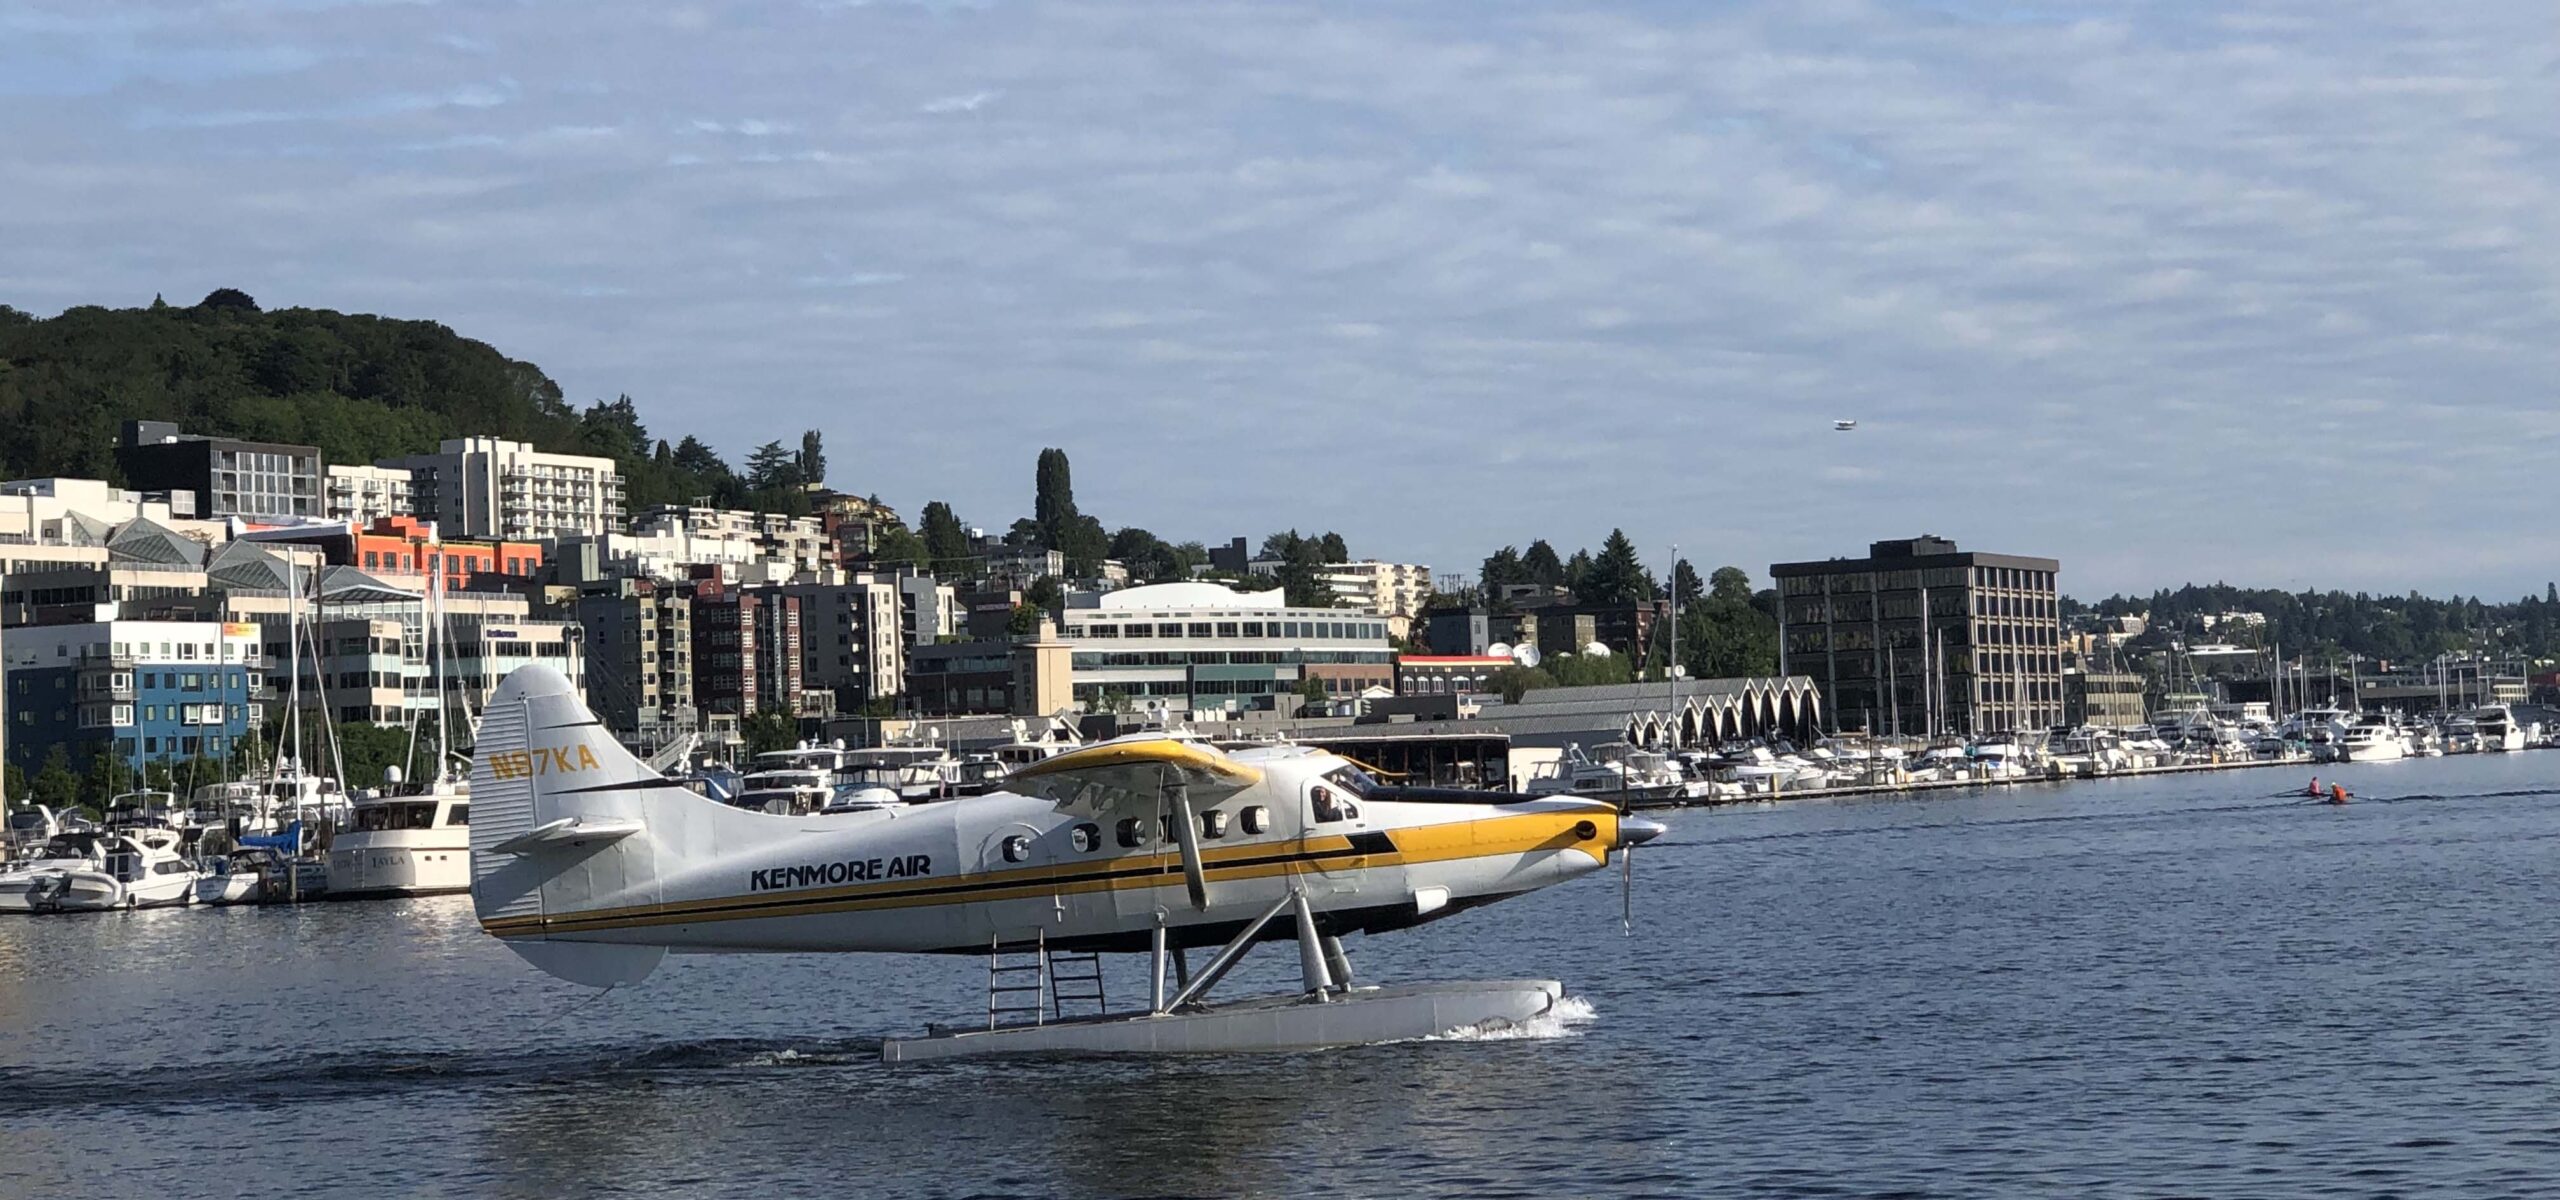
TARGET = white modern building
(361,495)
(1201,646)
(1385,588)
(483,487)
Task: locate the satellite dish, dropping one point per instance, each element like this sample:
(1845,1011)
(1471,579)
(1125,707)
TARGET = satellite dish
(1526,655)
(391,776)
(1499,650)
(1597,650)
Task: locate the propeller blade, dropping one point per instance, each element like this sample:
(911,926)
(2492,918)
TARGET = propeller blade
(1186,827)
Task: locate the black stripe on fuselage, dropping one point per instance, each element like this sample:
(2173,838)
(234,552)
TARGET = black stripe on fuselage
(1377,842)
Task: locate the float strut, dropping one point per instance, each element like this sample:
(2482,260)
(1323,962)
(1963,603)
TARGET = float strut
(1337,963)
(1311,951)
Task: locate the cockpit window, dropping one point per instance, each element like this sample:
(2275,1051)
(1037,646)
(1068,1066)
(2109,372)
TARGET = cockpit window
(1352,779)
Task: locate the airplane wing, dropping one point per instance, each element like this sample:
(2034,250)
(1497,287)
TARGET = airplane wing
(1136,777)
(1135,772)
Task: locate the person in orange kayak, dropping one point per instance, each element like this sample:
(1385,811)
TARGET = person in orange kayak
(2337,793)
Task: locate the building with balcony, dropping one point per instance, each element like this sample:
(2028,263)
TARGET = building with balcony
(1198,646)
(361,495)
(1920,637)
(139,691)
(1397,590)
(490,488)
(852,641)
(638,635)
(258,482)
(746,649)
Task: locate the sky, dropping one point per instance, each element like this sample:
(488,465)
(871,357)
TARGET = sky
(2265,292)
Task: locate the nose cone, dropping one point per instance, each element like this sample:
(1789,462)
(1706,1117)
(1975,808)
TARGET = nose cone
(1636,831)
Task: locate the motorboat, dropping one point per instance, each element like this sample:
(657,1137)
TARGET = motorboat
(792,782)
(862,797)
(238,806)
(143,867)
(412,844)
(2497,731)
(75,850)
(293,794)
(2373,738)
(1610,770)
(916,773)
(239,877)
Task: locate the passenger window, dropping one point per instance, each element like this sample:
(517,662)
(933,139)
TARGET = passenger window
(1017,848)
(1133,831)
(1087,838)
(1213,824)
(1327,808)
(1257,819)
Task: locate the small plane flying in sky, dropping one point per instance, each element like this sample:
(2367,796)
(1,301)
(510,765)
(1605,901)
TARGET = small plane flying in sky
(1844,425)
(593,867)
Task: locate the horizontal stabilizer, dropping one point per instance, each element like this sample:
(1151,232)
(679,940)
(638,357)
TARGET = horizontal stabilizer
(568,832)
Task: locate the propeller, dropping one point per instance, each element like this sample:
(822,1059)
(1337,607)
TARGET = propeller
(1186,825)
(1633,831)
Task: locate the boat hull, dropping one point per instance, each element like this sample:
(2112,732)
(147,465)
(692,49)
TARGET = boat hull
(408,868)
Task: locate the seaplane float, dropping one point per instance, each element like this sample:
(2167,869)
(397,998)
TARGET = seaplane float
(594,867)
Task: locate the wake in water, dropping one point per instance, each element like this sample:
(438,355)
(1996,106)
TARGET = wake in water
(1562,1020)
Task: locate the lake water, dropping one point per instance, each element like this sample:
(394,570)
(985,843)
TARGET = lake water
(2173,986)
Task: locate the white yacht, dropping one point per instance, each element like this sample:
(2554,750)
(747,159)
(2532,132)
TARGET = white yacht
(1611,770)
(77,850)
(143,868)
(414,844)
(2496,728)
(791,782)
(916,773)
(2373,738)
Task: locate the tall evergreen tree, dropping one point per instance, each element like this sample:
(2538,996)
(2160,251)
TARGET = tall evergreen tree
(1617,576)
(813,459)
(946,540)
(1503,567)
(1053,499)
(1333,548)
(1542,565)
(1685,585)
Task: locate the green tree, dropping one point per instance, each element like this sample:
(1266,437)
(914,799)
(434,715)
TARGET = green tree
(1045,594)
(1590,670)
(1617,577)
(813,459)
(1685,585)
(898,546)
(1515,682)
(1301,571)
(1332,548)
(228,299)
(1053,499)
(1147,556)
(1311,690)
(1502,568)
(1542,566)
(1112,700)
(1025,619)
(770,467)
(55,786)
(1727,635)
(1024,534)
(946,541)
(1576,570)
(769,729)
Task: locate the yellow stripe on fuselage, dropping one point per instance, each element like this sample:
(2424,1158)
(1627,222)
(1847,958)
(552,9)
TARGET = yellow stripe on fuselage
(1418,844)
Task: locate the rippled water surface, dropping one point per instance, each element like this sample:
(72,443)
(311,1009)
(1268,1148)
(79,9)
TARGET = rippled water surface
(2178,986)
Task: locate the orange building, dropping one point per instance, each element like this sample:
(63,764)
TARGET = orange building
(409,546)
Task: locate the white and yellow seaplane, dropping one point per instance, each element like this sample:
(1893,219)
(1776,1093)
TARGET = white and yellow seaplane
(592,866)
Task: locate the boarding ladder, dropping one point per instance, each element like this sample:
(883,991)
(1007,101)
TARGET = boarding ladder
(1033,984)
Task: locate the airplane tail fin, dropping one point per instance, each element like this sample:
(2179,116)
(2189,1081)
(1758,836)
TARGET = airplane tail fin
(565,822)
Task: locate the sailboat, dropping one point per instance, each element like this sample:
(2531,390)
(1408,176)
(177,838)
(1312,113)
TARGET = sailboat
(414,842)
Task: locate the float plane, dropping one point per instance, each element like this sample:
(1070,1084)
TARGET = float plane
(593,867)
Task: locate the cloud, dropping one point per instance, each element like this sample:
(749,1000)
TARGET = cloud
(2119,282)
(970,102)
